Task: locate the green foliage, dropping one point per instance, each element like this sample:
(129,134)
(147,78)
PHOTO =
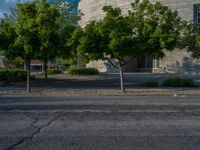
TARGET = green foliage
(12,75)
(110,37)
(157,27)
(54,71)
(151,84)
(74,42)
(46,19)
(37,30)
(27,41)
(82,71)
(147,30)
(66,23)
(191,39)
(66,62)
(178,82)
(7,33)
(18,62)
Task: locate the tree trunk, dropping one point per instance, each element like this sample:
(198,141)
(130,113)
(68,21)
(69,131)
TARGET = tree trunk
(28,74)
(80,62)
(45,69)
(121,78)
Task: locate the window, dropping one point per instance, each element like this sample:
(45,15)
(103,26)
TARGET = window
(197,13)
(145,62)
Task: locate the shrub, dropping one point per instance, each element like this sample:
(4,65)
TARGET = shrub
(54,71)
(32,78)
(178,82)
(151,84)
(13,75)
(82,71)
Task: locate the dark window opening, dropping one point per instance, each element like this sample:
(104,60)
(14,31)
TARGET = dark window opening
(145,62)
(197,13)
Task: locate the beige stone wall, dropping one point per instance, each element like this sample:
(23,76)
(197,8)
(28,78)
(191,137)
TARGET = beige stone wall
(179,62)
(92,10)
(102,66)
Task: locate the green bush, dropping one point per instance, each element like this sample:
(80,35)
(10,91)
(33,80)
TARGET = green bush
(178,82)
(54,71)
(151,84)
(32,78)
(82,71)
(12,75)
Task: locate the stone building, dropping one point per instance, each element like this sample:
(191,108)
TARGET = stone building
(175,61)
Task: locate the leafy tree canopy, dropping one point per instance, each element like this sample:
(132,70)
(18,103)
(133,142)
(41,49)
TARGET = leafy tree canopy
(148,29)
(37,29)
(191,39)
(7,33)
(156,26)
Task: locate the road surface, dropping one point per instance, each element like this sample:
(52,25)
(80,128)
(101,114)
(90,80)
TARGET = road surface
(100,123)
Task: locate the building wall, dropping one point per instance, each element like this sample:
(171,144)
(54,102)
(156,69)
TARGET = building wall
(179,62)
(92,9)
(174,61)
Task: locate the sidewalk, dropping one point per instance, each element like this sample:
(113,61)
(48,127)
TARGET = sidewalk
(104,84)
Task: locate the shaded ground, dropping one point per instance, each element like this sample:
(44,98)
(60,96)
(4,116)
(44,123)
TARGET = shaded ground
(104,80)
(103,84)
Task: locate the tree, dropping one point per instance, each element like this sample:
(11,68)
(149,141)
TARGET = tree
(7,40)
(73,43)
(191,39)
(22,36)
(147,30)
(67,23)
(46,19)
(7,32)
(37,29)
(27,41)
(157,27)
(56,30)
(109,39)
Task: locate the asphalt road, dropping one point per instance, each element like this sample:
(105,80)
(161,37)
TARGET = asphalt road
(100,123)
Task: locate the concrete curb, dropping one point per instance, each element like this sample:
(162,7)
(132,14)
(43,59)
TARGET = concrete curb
(100,92)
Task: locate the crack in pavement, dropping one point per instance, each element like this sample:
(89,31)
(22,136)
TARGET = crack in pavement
(30,138)
(34,122)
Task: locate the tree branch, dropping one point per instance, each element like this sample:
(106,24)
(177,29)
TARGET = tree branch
(114,65)
(127,62)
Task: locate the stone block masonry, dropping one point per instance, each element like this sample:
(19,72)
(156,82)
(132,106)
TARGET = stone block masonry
(92,9)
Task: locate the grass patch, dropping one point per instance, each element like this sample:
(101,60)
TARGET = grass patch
(82,71)
(54,71)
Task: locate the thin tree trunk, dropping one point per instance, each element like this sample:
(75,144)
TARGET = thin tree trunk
(80,62)
(45,69)
(121,78)
(28,74)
